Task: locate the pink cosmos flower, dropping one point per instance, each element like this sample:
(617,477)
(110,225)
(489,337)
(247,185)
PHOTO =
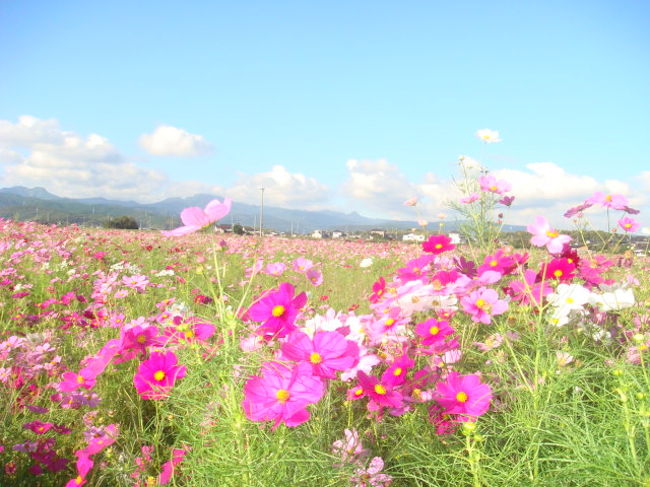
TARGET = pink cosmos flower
(157,375)
(629,224)
(507,200)
(167,470)
(433,331)
(281,393)
(544,235)
(71,381)
(482,304)
(437,244)
(614,201)
(490,184)
(577,210)
(194,218)
(328,352)
(315,276)
(277,311)
(528,291)
(395,374)
(380,394)
(470,198)
(464,395)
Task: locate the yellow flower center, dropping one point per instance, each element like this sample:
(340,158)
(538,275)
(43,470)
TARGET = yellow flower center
(282,395)
(558,273)
(438,246)
(570,300)
(159,375)
(390,322)
(493,188)
(379,389)
(480,303)
(552,234)
(397,371)
(628,225)
(434,330)
(141,339)
(79,480)
(315,358)
(608,197)
(494,263)
(80,379)
(278,310)
(417,392)
(358,392)
(189,334)
(461,397)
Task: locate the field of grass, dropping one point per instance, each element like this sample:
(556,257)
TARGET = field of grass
(84,312)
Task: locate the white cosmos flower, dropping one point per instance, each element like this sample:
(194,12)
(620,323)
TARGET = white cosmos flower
(613,300)
(569,297)
(488,136)
(367,262)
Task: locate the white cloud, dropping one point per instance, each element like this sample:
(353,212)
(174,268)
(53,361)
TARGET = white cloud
(68,164)
(172,141)
(29,131)
(382,188)
(543,188)
(281,188)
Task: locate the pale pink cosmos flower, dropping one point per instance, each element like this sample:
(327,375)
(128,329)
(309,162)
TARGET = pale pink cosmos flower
(544,235)
(493,185)
(411,202)
(629,224)
(614,201)
(350,449)
(195,218)
(371,476)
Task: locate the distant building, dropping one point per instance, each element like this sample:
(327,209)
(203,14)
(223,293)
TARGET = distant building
(413,237)
(455,238)
(337,234)
(317,234)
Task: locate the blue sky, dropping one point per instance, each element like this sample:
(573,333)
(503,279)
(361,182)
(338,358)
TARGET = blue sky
(285,94)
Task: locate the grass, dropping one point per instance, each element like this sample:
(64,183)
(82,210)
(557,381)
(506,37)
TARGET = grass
(582,424)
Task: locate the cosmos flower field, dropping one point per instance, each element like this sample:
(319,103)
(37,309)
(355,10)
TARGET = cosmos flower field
(131,358)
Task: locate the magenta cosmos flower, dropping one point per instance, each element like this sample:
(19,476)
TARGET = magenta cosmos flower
(437,244)
(157,375)
(195,218)
(464,395)
(281,393)
(277,311)
(328,352)
(544,235)
(482,304)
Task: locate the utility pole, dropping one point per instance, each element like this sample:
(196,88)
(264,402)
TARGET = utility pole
(262,213)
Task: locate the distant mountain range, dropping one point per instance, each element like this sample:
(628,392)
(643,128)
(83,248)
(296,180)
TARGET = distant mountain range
(38,204)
